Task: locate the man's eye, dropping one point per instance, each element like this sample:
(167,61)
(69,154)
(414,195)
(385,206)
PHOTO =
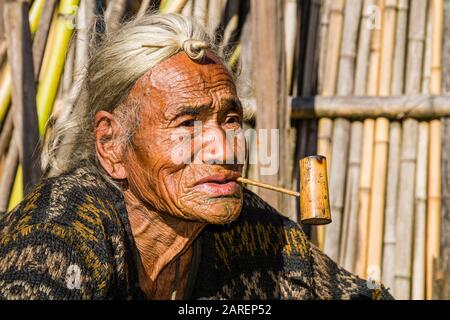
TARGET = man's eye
(187,123)
(233,119)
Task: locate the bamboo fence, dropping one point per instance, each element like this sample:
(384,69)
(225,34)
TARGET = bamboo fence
(358,81)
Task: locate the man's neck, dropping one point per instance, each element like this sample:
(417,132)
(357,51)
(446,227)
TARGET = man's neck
(160,238)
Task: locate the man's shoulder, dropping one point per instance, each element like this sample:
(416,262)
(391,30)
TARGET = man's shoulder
(75,203)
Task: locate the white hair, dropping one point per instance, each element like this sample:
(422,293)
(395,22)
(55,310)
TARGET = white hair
(121,59)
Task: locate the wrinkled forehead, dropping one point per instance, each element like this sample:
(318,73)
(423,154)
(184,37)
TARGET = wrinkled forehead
(181,76)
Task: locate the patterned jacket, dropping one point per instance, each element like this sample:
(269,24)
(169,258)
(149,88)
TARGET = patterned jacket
(70,238)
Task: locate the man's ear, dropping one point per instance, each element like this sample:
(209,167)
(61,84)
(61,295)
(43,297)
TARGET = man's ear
(109,151)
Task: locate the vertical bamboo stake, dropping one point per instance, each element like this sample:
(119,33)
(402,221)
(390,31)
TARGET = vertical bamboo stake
(290,27)
(363,51)
(270,84)
(187,8)
(374,58)
(324,134)
(48,84)
(364,196)
(367,156)
(215,13)
(378,187)
(418,280)
(145,5)
(8,174)
(405,211)
(323,36)
(337,182)
(419,255)
(341,130)
(441,270)
(390,240)
(363,189)
(5,80)
(426,72)
(350,227)
(329,87)
(201,11)
(49,81)
(333,47)
(434,176)
(434,204)
(398,74)
(114,13)
(24,91)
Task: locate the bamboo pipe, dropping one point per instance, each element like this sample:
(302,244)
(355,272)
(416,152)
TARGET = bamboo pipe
(314,198)
(5,79)
(268,186)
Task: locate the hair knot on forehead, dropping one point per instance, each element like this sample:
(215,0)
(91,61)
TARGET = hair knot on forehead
(195,49)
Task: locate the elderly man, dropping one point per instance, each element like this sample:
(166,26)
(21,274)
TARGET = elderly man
(122,219)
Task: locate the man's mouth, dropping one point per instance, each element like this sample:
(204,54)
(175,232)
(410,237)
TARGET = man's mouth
(221,184)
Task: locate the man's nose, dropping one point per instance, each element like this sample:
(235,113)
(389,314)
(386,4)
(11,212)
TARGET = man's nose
(215,147)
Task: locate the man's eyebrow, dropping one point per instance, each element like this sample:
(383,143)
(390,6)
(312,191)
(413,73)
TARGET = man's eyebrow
(233,101)
(187,110)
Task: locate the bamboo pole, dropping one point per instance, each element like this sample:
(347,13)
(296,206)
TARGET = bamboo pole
(441,280)
(419,256)
(8,174)
(415,53)
(363,51)
(290,27)
(434,204)
(114,13)
(390,239)
(311,58)
(215,13)
(364,196)
(337,180)
(333,47)
(187,9)
(377,195)
(390,226)
(323,36)
(42,33)
(405,211)
(350,227)
(418,280)
(374,56)
(172,6)
(201,11)
(331,61)
(5,80)
(49,81)
(398,74)
(270,83)
(20,57)
(426,71)
(367,156)
(341,129)
(145,5)
(325,126)
(434,176)
(6,134)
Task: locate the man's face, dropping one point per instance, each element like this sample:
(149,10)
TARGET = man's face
(183,161)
